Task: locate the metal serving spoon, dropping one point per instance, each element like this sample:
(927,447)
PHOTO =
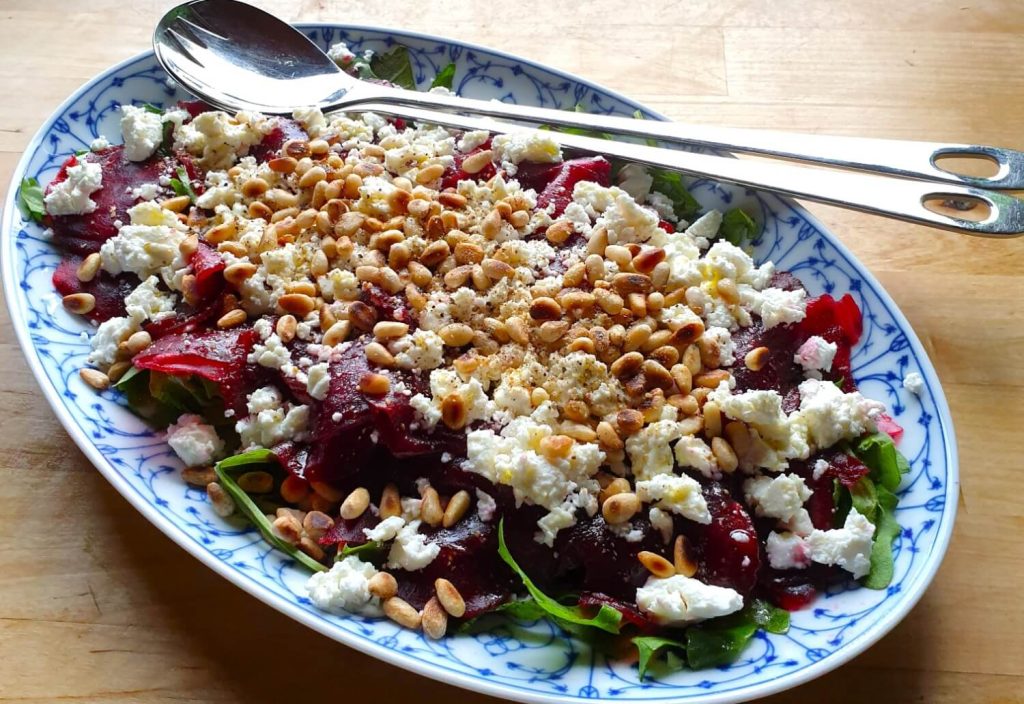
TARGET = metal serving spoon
(238,57)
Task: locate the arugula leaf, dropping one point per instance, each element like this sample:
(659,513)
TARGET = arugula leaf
(370,551)
(523,609)
(768,617)
(160,398)
(30,200)
(226,469)
(886,530)
(607,618)
(167,141)
(879,453)
(149,107)
(183,185)
(864,498)
(738,227)
(639,115)
(445,78)
(649,646)
(719,641)
(394,67)
(670,184)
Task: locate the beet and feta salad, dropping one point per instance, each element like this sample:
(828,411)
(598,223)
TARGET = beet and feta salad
(462,374)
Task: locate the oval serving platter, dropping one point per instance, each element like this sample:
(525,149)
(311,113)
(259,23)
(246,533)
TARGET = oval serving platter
(533,662)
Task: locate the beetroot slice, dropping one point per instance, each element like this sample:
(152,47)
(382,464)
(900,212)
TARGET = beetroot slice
(729,546)
(207,265)
(83,234)
(218,356)
(109,291)
(469,559)
(554,183)
(389,306)
(283,130)
(603,561)
(455,174)
(630,613)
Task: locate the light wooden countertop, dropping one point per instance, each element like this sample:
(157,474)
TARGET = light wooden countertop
(96,605)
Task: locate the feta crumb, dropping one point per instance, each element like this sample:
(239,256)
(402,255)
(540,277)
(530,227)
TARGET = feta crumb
(71,196)
(536,146)
(485,506)
(195,442)
(411,551)
(831,416)
(142,130)
(345,587)
(849,546)
(914,383)
(318,381)
(678,494)
(816,355)
(777,306)
(679,600)
(385,530)
(423,349)
(99,144)
(787,551)
(271,420)
(777,497)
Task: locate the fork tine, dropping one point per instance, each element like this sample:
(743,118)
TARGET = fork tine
(184,31)
(186,45)
(200,29)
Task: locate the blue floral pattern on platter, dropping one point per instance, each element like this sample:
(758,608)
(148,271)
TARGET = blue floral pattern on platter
(524,661)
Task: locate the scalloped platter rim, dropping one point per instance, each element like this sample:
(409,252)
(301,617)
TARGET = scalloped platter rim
(526,662)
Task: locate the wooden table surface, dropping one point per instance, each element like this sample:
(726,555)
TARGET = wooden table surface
(96,605)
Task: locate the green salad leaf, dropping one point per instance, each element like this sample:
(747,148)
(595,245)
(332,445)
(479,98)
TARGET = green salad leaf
(226,470)
(183,185)
(719,641)
(670,184)
(445,78)
(738,227)
(770,618)
(886,463)
(607,619)
(30,200)
(370,551)
(864,498)
(886,530)
(149,107)
(160,398)
(648,648)
(394,67)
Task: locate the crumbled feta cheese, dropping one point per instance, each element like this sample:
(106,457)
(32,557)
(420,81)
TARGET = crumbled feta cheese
(719,338)
(149,245)
(485,506)
(142,130)
(678,494)
(345,587)
(71,196)
(423,349)
(318,381)
(108,336)
(536,146)
(691,451)
(147,191)
(99,144)
(195,442)
(385,530)
(625,220)
(662,522)
(820,467)
(472,139)
(777,306)
(444,383)
(312,120)
(849,546)
(411,551)
(148,302)
(272,353)
(636,181)
(219,139)
(777,497)
(270,420)
(831,416)
(649,450)
(340,54)
(787,551)
(663,205)
(816,355)
(679,600)
(914,383)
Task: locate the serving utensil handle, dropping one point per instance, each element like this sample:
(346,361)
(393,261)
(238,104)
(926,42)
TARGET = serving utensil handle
(884,195)
(904,158)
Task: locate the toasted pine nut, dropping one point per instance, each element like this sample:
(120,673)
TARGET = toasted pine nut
(680,558)
(756,358)
(94,378)
(556,447)
(232,318)
(399,611)
(355,504)
(288,527)
(449,597)
(435,619)
(607,436)
(724,454)
(198,477)
(558,232)
(452,200)
(389,329)
(378,354)
(430,509)
(238,272)
(390,502)
(712,420)
(337,333)
(374,384)
(89,267)
(456,334)
(382,585)
(429,173)
(294,489)
(619,508)
(454,412)
(656,564)
(258,482)
(222,503)
(456,508)
(629,421)
(285,328)
(177,204)
(711,379)
(474,163)
(79,303)
(619,485)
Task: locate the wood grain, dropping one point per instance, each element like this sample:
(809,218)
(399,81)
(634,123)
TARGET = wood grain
(96,605)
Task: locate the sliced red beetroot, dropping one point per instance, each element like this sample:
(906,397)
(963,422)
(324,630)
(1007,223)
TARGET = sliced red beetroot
(729,546)
(284,129)
(825,313)
(207,265)
(779,372)
(554,182)
(667,226)
(109,291)
(890,427)
(83,234)
(821,506)
(846,468)
(630,613)
(389,306)
(455,174)
(349,531)
(186,320)
(292,457)
(602,561)
(218,356)
(469,559)
(194,107)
